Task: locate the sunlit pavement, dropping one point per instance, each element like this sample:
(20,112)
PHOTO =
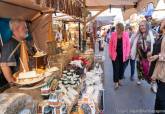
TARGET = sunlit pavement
(128,99)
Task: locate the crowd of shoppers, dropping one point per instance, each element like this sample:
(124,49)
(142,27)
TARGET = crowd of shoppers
(143,47)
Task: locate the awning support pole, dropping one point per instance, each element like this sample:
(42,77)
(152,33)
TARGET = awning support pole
(92,18)
(79,26)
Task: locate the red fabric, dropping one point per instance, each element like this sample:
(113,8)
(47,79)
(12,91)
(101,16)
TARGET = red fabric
(84,60)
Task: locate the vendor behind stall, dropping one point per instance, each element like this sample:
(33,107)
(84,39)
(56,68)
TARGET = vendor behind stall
(10,54)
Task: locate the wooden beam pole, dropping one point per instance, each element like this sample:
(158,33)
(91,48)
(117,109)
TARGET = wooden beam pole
(92,18)
(81,1)
(79,28)
(21,6)
(96,8)
(85,21)
(36,17)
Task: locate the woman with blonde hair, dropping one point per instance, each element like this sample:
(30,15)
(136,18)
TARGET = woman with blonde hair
(143,46)
(132,59)
(119,51)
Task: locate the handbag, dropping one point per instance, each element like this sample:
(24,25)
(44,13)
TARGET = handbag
(145,66)
(144,63)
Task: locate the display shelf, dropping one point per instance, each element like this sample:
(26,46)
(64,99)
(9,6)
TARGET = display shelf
(77,97)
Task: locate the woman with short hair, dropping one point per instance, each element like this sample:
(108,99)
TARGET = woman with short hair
(119,51)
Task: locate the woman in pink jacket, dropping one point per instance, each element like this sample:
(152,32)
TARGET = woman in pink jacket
(119,51)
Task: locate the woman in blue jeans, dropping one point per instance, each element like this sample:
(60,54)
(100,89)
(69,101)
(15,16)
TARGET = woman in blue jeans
(132,65)
(132,60)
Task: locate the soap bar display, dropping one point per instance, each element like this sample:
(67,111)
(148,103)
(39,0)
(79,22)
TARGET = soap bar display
(91,100)
(70,79)
(67,91)
(75,86)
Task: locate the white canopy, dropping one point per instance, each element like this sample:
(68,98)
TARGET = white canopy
(98,4)
(105,20)
(128,7)
(159,12)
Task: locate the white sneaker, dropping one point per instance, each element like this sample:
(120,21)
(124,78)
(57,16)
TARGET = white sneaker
(116,86)
(139,82)
(154,87)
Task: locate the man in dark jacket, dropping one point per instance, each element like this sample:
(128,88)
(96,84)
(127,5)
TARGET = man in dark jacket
(10,53)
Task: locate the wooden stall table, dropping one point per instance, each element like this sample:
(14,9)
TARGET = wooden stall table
(33,90)
(35,93)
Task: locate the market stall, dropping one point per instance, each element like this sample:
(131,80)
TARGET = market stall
(54,80)
(60,78)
